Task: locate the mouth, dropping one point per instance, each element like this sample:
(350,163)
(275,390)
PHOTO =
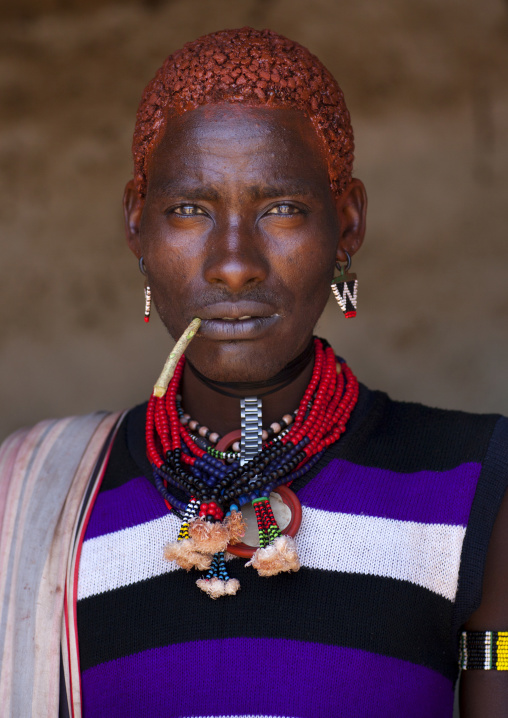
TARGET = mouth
(235,319)
(231,322)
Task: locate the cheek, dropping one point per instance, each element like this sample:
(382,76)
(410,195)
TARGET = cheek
(172,290)
(309,273)
(168,276)
(312,301)
(168,261)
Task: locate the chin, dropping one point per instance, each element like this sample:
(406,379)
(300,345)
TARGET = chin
(239,361)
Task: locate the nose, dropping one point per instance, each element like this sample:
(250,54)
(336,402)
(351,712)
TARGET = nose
(235,257)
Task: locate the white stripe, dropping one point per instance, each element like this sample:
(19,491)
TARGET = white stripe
(125,557)
(424,554)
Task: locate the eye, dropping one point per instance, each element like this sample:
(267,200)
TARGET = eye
(284,209)
(187,210)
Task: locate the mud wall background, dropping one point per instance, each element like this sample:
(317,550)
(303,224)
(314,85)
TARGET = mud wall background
(426,83)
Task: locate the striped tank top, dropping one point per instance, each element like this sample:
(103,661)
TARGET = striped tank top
(396,521)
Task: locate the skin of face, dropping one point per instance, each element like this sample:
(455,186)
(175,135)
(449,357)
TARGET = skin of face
(239,221)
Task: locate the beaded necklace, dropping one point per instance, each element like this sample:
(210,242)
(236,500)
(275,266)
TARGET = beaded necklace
(206,439)
(209,493)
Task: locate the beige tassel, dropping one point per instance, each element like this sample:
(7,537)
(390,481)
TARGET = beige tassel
(186,556)
(279,556)
(236,526)
(209,537)
(216,588)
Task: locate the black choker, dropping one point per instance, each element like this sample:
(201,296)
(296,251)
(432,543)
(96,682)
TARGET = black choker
(248,388)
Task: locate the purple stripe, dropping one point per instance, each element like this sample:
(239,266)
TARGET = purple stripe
(263,677)
(133,503)
(435,497)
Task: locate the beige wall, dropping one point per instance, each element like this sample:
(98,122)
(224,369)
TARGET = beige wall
(426,83)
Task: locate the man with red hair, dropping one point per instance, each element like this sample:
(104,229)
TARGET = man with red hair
(376,531)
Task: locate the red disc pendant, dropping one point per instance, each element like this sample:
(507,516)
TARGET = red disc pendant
(291,510)
(288,518)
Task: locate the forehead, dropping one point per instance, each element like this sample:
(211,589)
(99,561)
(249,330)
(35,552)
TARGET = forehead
(227,143)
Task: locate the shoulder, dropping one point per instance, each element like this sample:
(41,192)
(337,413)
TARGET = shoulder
(49,430)
(53,442)
(40,466)
(408,437)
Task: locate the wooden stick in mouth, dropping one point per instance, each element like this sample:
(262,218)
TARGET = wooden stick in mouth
(162,382)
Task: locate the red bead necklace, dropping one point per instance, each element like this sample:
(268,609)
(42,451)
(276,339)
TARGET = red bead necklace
(206,489)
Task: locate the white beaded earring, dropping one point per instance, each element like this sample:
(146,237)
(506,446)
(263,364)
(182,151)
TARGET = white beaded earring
(148,291)
(345,289)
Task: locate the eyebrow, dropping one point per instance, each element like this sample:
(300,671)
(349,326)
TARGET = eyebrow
(293,188)
(257,192)
(190,192)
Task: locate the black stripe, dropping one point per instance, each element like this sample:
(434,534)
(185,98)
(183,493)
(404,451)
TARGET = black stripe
(410,437)
(381,615)
(121,465)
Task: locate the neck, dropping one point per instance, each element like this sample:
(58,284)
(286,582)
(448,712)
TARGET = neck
(221,413)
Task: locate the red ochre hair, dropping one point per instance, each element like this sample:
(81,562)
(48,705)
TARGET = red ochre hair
(253,67)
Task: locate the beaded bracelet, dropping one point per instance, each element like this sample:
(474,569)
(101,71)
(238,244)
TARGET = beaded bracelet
(484,651)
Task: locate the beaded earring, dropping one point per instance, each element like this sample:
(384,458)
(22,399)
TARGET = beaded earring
(345,289)
(148,303)
(148,291)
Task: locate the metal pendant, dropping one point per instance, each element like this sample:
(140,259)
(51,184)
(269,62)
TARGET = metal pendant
(251,441)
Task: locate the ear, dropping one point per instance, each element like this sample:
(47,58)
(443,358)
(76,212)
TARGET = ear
(351,213)
(132,211)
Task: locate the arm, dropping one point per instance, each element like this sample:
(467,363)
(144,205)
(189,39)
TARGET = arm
(485,693)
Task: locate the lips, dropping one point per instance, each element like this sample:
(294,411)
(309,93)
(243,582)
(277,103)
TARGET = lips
(236,321)
(240,319)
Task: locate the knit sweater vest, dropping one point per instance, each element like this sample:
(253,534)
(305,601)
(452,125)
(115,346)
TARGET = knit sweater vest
(397,517)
